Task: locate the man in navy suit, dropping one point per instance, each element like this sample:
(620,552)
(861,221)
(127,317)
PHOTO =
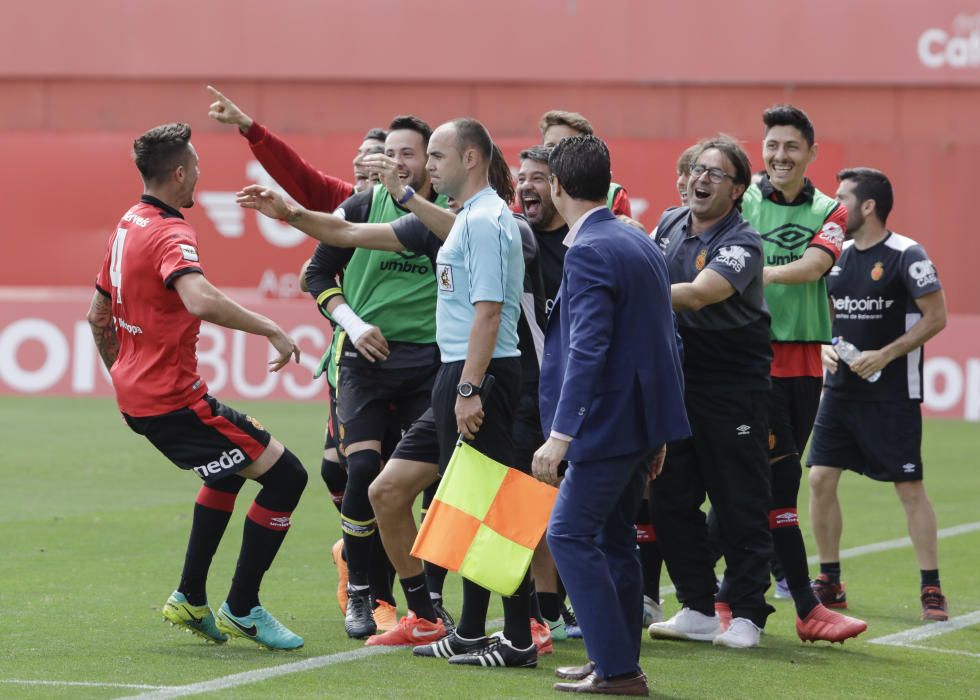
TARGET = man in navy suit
(611,395)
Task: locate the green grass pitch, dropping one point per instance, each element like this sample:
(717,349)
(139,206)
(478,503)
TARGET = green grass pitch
(93,525)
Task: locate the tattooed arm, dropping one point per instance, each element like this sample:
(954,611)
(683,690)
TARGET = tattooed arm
(103,331)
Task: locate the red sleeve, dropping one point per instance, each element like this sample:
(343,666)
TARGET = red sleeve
(830,238)
(177,253)
(621,203)
(302,181)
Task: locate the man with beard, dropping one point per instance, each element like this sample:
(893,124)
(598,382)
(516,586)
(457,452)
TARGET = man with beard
(715,264)
(386,349)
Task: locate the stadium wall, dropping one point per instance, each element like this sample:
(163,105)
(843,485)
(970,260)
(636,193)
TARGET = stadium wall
(894,88)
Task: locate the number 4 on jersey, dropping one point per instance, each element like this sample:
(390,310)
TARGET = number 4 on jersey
(115,262)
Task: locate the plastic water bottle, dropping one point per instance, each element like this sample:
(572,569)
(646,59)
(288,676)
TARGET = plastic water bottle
(847,352)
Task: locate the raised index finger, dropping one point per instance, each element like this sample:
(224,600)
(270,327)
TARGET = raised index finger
(217,93)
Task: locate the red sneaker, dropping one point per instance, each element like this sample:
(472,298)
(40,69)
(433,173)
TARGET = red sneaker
(830,595)
(337,551)
(829,626)
(933,604)
(410,631)
(724,612)
(541,636)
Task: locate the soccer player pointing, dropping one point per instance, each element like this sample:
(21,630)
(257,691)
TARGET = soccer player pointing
(151,296)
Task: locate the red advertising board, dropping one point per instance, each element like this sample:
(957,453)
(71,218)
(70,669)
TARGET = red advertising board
(46,348)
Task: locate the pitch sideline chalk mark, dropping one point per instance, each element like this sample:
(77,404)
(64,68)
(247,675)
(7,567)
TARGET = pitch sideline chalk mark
(907,638)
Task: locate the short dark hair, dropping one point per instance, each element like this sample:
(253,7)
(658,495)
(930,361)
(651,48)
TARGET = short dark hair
(686,158)
(581,164)
(788,115)
(736,156)
(375,134)
(573,120)
(539,154)
(499,176)
(412,123)
(160,150)
(472,134)
(871,184)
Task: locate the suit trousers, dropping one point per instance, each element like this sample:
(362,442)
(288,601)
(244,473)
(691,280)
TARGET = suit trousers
(593,542)
(728,459)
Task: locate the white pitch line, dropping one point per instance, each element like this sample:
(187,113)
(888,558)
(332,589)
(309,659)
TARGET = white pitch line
(941,651)
(935,629)
(87,684)
(877,547)
(261,674)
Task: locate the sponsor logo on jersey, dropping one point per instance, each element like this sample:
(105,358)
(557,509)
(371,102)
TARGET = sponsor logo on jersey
(226,461)
(701,259)
(136,219)
(128,327)
(850,304)
(789,236)
(878,271)
(743,430)
(832,234)
(397,266)
(835,270)
(188,251)
(781,259)
(255,423)
(923,272)
(444,273)
(734,256)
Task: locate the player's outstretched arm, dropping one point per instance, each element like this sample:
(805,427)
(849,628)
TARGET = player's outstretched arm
(438,220)
(326,228)
(225,111)
(208,303)
(103,332)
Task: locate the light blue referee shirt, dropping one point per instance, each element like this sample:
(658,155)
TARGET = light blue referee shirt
(481,260)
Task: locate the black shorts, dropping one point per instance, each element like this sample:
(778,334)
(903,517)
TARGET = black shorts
(527,429)
(207,437)
(369,399)
(880,439)
(433,437)
(793,403)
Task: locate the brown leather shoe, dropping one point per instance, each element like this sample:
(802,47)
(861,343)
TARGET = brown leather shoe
(574,673)
(634,685)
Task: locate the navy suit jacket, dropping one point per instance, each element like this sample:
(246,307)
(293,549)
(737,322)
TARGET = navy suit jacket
(611,376)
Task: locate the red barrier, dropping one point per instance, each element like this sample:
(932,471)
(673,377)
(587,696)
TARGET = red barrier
(46,348)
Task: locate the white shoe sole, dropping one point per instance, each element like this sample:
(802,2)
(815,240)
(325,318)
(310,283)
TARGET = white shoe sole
(659,631)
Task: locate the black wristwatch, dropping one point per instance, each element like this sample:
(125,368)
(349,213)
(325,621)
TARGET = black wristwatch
(466,390)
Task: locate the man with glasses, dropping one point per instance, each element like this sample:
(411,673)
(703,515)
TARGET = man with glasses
(715,262)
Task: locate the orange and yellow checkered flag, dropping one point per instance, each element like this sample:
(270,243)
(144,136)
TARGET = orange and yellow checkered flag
(485,521)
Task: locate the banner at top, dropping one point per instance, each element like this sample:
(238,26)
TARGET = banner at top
(711,42)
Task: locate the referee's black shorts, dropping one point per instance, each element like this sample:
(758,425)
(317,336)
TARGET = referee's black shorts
(207,437)
(793,403)
(880,439)
(433,437)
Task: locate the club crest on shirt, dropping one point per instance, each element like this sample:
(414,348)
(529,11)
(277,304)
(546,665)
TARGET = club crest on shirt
(255,423)
(877,271)
(701,259)
(444,274)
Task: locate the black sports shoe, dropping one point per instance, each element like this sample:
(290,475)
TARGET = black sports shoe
(499,653)
(443,614)
(451,645)
(359,621)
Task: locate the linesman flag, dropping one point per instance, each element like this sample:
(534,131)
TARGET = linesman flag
(485,521)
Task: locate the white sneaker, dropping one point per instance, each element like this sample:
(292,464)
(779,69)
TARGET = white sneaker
(687,624)
(741,634)
(652,611)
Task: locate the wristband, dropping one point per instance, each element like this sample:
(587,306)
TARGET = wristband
(352,323)
(409,193)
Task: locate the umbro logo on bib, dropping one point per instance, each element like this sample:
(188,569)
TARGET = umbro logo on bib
(444,275)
